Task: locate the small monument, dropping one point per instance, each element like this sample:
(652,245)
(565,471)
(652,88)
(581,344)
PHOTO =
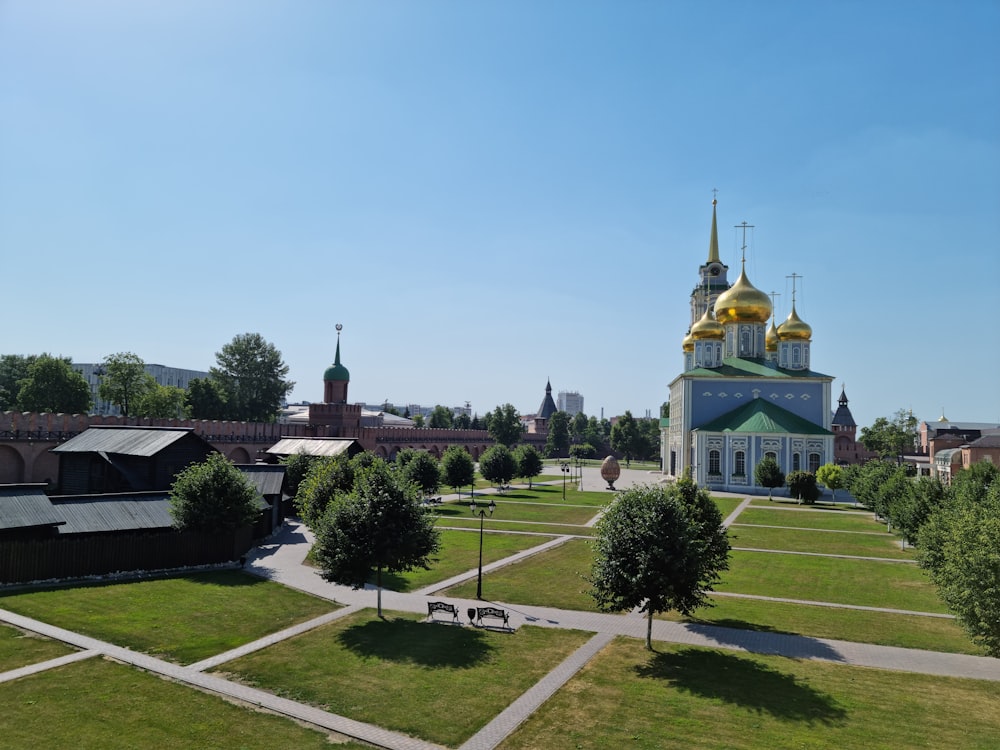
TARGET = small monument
(610,471)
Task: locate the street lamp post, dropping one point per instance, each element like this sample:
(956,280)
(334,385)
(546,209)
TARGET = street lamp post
(565,470)
(482,515)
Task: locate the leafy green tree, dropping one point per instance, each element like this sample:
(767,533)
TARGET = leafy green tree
(586,450)
(958,547)
(802,486)
(162,402)
(648,443)
(457,467)
(418,420)
(659,548)
(205,399)
(213,496)
(529,462)
(557,441)
(13,369)
(441,417)
(497,464)
(891,437)
(505,425)
(768,474)
(252,375)
(52,385)
(832,477)
(578,427)
(462,422)
(125,381)
(910,512)
(377,527)
(424,471)
(297,467)
(325,479)
(867,484)
(596,436)
(625,436)
(404,456)
(665,410)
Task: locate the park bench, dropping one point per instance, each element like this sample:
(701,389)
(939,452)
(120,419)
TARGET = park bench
(450,609)
(494,612)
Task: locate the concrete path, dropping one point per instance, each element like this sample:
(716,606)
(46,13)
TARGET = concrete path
(281,560)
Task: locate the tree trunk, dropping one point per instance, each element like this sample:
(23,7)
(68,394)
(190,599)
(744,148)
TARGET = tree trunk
(378,585)
(649,630)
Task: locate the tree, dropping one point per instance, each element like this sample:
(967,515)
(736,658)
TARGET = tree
(557,441)
(505,425)
(661,548)
(868,484)
(497,465)
(205,399)
(13,369)
(213,496)
(831,476)
(418,420)
(324,480)
(625,436)
(162,402)
(125,381)
(457,467)
(802,486)
(252,375)
(424,471)
(578,427)
(891,437)
(297,467)
(441,417)
(462,422)
(648,443)
(378,526)
(529,462)
(52,385)
(958,547)
(768,474)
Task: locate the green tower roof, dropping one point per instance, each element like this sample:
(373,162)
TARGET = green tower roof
(336,372)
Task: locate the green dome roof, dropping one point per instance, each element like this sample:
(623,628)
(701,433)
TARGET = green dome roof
(336,372)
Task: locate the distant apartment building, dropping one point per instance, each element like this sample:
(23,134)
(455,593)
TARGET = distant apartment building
(163,375)
(570,402)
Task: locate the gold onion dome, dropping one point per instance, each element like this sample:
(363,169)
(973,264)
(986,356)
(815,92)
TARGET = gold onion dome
(771,338)
(707,328)
(794,328)
(688,343)
(743,303)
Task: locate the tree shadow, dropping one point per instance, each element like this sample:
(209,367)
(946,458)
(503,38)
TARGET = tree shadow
(424,643)
(775,642)
(744,682)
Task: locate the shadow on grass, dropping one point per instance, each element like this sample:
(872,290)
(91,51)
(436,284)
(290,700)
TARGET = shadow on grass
(743,682)
(423,643)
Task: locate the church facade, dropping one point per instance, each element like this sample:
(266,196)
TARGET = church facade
(747,390)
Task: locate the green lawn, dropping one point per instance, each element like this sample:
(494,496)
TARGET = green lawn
(542,511)
(97,704)
(826,579)
(811,519)
(726,505)
(784,502)
(19,649)
(185,619)
(499,525)
(683,697)
(819,541)
(436,681)
(460,552)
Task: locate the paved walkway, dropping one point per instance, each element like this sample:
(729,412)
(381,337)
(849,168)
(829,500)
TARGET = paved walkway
(281,560)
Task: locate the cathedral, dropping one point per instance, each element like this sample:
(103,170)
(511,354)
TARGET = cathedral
(747,391)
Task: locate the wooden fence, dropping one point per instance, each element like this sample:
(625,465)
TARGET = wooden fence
(26,560)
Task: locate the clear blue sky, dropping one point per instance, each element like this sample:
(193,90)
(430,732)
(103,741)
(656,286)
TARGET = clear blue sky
(490,194)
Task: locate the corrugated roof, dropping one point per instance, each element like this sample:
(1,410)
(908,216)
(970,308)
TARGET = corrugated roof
(24,506)
(761,416)
(311,446)
(85,514)
(129,441)
(267,478)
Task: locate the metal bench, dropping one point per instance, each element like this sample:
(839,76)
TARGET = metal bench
(494,612)
(450,609)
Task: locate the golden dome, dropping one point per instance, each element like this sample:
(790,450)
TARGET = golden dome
(707,328)
(743,303)
(771,338)
(688,343)
(794,328)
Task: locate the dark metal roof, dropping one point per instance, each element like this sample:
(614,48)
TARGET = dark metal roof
(267,478)
(129,441)
(88,514)
(23,506)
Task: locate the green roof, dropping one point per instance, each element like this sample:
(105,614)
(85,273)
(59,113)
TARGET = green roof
(664,422)
(760,416)
(737,367)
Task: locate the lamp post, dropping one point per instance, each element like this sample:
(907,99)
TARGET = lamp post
(482,514)
(565,470)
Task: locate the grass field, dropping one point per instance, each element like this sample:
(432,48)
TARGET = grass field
(811,519)
(500,525)
(819,541)
(19,649)
(432,680)
(521,511)
(684,697)
(183,619)
(97,704)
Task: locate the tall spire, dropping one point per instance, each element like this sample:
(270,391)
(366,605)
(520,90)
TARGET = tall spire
(713,242)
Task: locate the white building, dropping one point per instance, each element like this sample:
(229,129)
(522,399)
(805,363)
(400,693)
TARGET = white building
(570,402)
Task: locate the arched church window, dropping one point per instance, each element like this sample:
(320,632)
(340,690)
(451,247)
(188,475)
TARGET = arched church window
(740,463)
(796,462)
(714,462)
(813,462)
(771,455)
